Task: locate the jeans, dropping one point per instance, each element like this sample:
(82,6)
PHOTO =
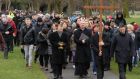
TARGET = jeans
(94,61)
(28,54)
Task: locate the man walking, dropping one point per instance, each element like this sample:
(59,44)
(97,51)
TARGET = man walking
(123,47)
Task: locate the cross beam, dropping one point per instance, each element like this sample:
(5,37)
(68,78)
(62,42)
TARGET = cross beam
(101,8)
(98,7)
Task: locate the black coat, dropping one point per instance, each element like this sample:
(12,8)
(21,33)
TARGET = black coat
(83,52)
(58,56)
(4,28)
(37,29)
(27,36)
(42,44)
(137,39)
(120,20)
(95,43)
(123,46)
(106,38)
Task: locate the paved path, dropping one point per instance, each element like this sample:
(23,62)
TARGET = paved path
(68,73)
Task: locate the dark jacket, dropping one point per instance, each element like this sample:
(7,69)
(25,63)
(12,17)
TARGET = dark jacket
(95,42)
(48,24)
(4,28)
(106,38)
(83,52)
(58,56)
(120,20)
(37,29)
(42,44)
(137,39)
(123,47)
(28,35)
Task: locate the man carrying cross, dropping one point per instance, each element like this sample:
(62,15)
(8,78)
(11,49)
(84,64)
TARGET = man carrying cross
(98,38)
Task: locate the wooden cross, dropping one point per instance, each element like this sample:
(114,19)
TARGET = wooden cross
(100,8)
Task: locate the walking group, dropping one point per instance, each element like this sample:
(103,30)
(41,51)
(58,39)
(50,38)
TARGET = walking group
(58,40)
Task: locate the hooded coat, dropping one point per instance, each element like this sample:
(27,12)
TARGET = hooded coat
(120,20)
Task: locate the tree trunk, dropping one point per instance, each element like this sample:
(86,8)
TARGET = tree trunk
(125,9)
(71,6)
(9,4)
(49,5)
(36,4)
(87,3)
(59,6)
(113,5)
(0,5)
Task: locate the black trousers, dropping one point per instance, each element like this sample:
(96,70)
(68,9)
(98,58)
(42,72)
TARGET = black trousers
(17,39)
(122,70)
(44,60)
(36,57)
(130,64)
(7,49)
(81,69)
(106,58)
(57,69)
(100,67)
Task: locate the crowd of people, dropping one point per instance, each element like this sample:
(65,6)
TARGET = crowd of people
(57,40)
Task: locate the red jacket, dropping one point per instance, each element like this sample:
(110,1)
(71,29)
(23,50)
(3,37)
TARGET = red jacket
(12,23)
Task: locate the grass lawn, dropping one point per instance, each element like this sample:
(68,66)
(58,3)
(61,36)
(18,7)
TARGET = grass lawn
(135,74)
(133,19)
(14,68)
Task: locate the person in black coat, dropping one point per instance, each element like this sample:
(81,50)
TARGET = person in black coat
(137,41)
(123,47)
(42,48)
(27,39)
(106,47)
(98,59)
(83,52)
(37,28)
(8,34)
(120,19)
(59,41)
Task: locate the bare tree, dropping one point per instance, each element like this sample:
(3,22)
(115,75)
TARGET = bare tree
(9,4)
(1,4)
(125,8)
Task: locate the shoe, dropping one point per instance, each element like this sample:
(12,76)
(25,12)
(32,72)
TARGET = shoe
(60,77)
(51,71)
(56,77)
(73,66)
(130,69)
(64,67)
(106,69)
(94,73)
(76,77)
(81,76)
(41,67)
(46,68)
(30,67)
(26,64)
